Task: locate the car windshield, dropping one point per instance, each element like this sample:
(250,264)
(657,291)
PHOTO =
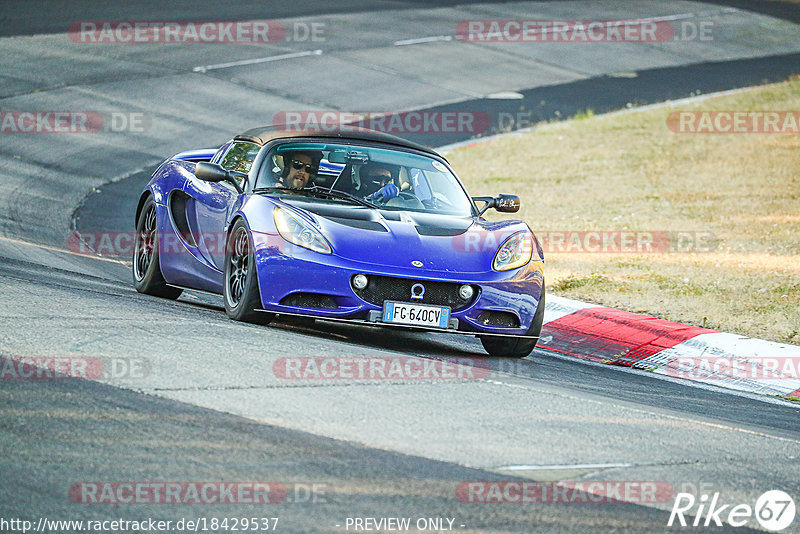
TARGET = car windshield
(383,178)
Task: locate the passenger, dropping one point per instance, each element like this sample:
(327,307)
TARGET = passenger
(377,182)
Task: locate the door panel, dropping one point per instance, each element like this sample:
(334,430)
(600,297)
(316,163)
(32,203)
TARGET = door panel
(207,212)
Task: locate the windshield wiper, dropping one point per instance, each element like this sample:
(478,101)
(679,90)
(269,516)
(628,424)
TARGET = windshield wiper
(274,188)
(319,190)
(335,193)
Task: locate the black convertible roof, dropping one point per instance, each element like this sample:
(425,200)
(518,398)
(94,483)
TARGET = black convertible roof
(264,134)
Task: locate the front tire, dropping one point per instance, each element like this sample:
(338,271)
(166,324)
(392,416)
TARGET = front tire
(240,291)
(517,347)
(147,277)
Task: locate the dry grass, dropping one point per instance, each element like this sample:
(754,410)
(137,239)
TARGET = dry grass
(630,172)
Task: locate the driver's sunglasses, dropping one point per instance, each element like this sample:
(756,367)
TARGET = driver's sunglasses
(297,165)
(380,177)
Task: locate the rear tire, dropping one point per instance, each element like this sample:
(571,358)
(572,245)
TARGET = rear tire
(240,290)
(147,277)
(517,347)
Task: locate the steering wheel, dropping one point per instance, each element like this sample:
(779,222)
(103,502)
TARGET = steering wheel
(406,200)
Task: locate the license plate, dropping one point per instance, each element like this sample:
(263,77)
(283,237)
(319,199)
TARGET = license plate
(416,314)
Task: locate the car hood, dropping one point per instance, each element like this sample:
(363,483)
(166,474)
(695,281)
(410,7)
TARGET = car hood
(401,239)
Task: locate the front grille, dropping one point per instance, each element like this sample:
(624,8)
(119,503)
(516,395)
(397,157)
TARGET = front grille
(381,288)
(310,300)
(499,318)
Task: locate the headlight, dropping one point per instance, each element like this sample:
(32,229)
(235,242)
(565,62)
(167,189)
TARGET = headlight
(297,231)
(515,252)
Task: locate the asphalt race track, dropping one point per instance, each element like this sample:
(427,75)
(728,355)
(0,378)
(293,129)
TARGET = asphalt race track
(195,396)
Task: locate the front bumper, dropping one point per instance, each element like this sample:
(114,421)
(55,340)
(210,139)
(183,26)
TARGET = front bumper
(285,270)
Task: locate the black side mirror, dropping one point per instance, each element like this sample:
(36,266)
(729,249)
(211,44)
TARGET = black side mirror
(211,172)
(502,203)
(507,203)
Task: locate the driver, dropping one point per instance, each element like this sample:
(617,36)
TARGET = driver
(377,182)
(299,168)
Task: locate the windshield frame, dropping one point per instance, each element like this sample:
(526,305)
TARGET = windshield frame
(258,171)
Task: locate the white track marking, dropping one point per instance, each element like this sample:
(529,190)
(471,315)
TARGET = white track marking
(293,55)
(421,40)
(557,467)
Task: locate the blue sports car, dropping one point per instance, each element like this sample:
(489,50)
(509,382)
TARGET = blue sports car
(362,227)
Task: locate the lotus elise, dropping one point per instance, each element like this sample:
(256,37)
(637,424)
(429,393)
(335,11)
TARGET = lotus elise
(360,226)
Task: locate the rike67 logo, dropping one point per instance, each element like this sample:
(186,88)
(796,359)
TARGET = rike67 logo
(774,510)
